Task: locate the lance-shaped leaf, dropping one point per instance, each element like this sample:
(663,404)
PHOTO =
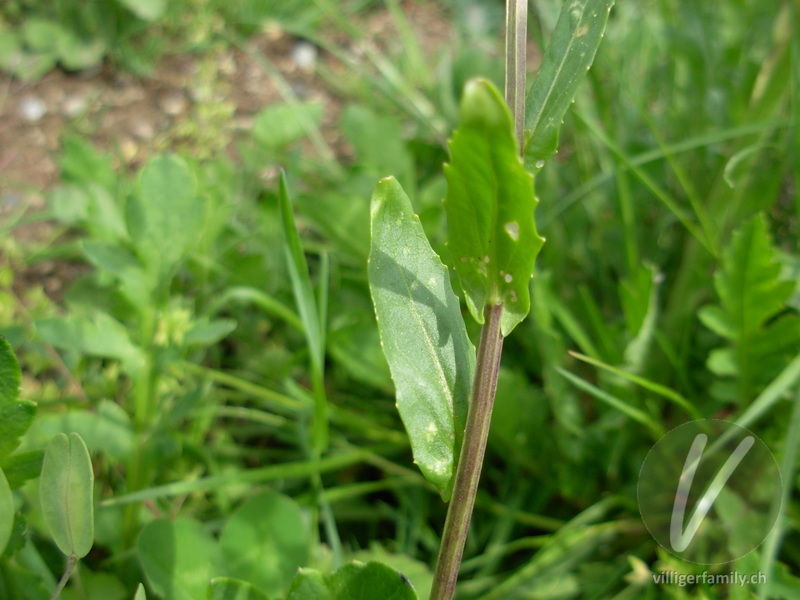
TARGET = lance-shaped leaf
(568,57)
(65,490)
(422,333)
(489,205)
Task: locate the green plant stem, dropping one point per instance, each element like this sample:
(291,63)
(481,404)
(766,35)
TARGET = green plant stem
(73,560)
(470,462)
(516,39)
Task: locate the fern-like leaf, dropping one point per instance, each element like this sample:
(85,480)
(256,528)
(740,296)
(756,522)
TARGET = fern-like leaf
(763,334)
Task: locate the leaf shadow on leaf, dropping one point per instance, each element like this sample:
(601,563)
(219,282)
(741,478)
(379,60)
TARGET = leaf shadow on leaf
(409,282)
(408,286)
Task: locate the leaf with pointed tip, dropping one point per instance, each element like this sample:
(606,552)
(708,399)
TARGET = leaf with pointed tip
(422,333)
(569,55)
(489,205)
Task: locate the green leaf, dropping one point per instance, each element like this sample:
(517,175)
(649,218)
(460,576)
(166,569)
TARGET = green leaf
(355,581)
(490,204)
(359,581)
(166,215)
(83,164)
(568,57)
(312,313)
(76,53)
(16,414)
(309,584)
(752,313)
(117,261)
(69,203)
(6,512)
(41,35)
(282,124)
(147,10)
(22,466)
(422,333)
(418,573)
(227,588)
(101,335)
(178,558)
(22,583)
(205,332)
(65,491)
(266,541)
(378,144)
(140,593)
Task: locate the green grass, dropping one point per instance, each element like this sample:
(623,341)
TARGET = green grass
(683,133)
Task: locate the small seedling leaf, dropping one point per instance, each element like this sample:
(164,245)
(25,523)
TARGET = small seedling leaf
(490,204)
(422,333)
(6,512)
(227,588)
(16,414)
(569,55)
(65,491)
(266,541)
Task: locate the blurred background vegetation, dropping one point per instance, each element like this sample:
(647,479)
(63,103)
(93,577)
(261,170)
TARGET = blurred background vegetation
(666,291)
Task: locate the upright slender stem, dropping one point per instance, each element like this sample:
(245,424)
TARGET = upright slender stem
(490,349)
(516,56)
(470,462)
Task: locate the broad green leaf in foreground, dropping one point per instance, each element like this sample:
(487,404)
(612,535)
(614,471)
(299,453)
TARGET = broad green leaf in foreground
(490,204)
(65,490)
(568,57)
(355,581)
(422,333)
(16,414)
